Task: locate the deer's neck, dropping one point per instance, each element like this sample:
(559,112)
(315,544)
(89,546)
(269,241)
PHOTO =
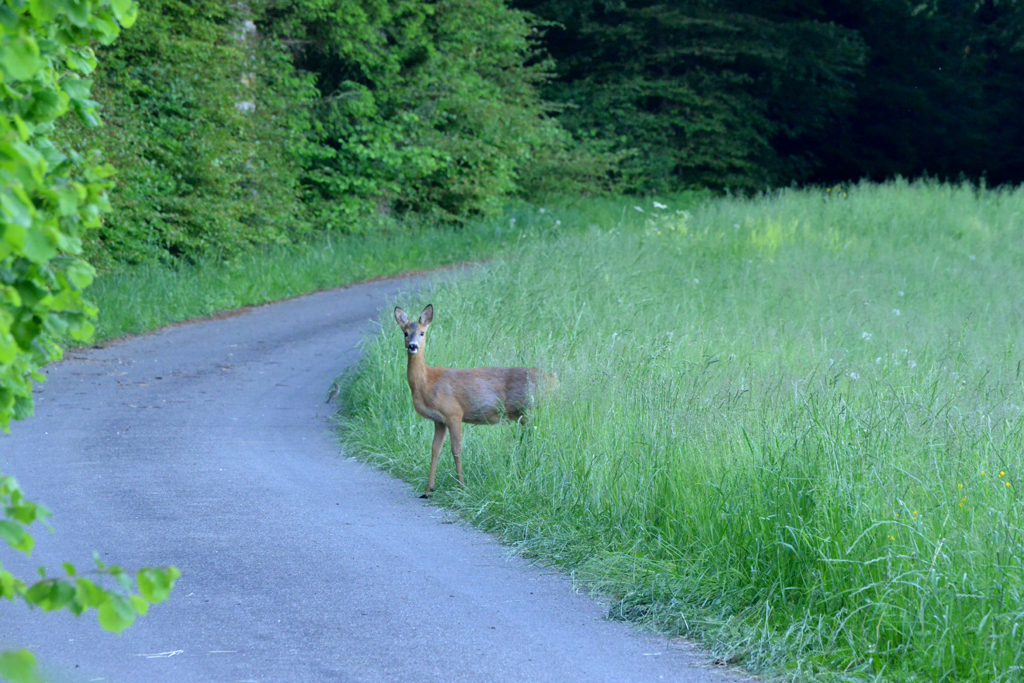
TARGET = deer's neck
(417,372)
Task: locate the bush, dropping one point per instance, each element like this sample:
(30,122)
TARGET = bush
(204,116)
(429,108)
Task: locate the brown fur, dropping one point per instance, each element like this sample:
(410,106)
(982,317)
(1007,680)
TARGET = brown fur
(451,396)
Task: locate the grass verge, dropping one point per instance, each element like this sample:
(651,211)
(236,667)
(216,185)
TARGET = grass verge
(790,427)
(141,298)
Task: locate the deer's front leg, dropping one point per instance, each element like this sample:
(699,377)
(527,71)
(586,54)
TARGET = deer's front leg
(435,451)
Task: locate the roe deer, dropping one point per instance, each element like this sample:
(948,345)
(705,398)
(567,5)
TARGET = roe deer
(451,396)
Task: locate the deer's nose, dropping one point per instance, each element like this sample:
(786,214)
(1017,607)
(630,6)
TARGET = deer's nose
(413,347)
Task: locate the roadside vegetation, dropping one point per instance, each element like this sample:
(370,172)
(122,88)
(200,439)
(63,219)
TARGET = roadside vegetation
(788,426)
(147,296)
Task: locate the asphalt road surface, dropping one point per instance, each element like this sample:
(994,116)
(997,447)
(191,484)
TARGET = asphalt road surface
(209,446)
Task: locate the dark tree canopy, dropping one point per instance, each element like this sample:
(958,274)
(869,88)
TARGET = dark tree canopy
(942,93)
(745,94)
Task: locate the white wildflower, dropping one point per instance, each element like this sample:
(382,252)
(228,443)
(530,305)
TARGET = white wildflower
(560,222)
(659,205)
(896,312)
(853,375)
(866,336)
(899,293)
(543,210)
(638,209)
(911,364)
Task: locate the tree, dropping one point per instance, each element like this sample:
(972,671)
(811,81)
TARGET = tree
(707,94)
(427,107)
(202,115)
(47,200)
(735,93)
(941,93)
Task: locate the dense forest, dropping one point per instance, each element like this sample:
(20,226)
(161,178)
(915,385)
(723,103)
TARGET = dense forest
(241,124)
(743,94)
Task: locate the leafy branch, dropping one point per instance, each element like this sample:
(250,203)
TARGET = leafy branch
(116,608)
(48,198)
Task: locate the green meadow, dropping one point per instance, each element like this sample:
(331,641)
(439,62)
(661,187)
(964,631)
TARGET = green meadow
(788,426)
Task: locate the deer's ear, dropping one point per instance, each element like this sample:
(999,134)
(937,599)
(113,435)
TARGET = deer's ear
(427,315)
(401,316)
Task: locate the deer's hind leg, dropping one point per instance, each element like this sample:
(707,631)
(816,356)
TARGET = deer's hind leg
(435,451)
(456,429)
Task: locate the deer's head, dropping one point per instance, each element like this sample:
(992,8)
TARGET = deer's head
(415,331)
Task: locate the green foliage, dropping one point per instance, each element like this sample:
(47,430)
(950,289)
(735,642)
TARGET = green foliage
(19,667)
(940,95)
(789,426)
(704,94)
(751,94)
(427,107)
(116,608)
(203,115)
(48,198)
(239,128)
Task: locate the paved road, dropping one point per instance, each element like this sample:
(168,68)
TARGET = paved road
(208,446)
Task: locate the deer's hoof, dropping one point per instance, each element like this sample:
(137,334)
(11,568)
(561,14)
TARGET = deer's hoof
(426,495)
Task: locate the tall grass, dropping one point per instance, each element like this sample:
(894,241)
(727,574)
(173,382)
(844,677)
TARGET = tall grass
(789,426)
(140,298)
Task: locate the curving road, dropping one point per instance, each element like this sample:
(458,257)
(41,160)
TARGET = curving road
(208,446)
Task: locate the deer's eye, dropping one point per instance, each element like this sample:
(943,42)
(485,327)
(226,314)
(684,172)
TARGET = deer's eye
(422,333)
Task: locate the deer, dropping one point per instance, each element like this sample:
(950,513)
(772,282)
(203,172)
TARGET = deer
(452,396)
